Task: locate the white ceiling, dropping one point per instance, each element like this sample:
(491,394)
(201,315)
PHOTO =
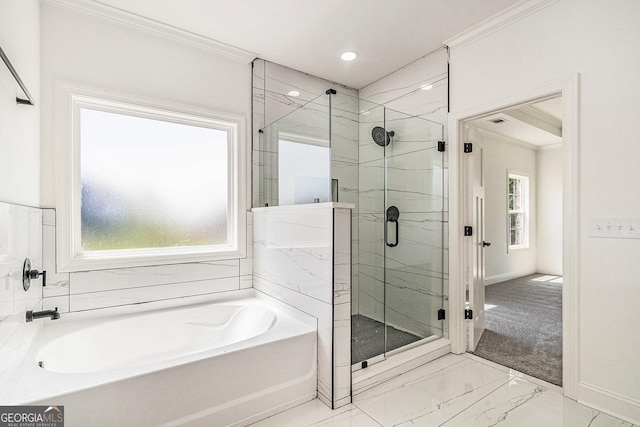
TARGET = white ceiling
(310,35)
(538,123)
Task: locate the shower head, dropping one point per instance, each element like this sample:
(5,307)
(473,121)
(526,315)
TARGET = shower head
(381,136)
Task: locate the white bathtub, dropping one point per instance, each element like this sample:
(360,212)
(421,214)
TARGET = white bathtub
(214,363)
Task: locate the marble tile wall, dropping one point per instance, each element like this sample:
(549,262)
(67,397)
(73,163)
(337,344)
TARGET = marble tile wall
(401,90)
(302,257)
(411,174)
(275,109)
(20,238)
(89,290)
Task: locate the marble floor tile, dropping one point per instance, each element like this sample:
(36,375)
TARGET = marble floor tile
(453,390)
(316,413)
(521,403)
(429,397)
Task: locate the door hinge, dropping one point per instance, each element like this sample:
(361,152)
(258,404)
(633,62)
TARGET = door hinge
(468,147)
(468,314)
(441,314)
(468,230)
(441,146)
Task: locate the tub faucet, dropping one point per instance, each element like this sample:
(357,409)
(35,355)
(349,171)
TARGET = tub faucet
(52,314)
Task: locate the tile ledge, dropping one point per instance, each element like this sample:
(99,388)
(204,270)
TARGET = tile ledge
(331,205)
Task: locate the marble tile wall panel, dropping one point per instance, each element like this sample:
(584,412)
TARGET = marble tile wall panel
(137,295)
(410,133)
(341,354)
(246,264)
(341,256)
(20,238)
(344,128)
(413,301)
(371,266)
(57,283)
(371,176)
(370,117)
(429,105)
(414,181)
(302,257)
(280,80)
(342,307)
(104,288)
(142,277)
(400,91)
(420,244)
(293,247)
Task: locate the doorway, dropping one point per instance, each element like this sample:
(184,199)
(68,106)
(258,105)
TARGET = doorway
(467,286)
(516,181)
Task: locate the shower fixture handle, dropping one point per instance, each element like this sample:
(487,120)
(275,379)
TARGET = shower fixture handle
(393,213)
(28,274)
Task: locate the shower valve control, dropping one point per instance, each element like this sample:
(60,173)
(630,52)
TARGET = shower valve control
(28,274)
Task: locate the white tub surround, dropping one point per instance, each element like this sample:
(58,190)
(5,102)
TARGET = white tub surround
(302,257)
(229,359)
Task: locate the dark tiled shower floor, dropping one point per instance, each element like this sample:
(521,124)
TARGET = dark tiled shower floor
(367,338)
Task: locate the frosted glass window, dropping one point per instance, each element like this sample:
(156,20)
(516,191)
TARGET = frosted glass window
(304,173)
(150,183)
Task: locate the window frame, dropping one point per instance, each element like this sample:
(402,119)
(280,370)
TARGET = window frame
(69,255)
(524,210)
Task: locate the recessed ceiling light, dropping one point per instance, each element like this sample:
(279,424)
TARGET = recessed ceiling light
(349,56)
(293,93)
(426,87)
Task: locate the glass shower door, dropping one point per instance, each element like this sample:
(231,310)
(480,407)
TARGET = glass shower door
(367,324)
(414,232)
(401,265)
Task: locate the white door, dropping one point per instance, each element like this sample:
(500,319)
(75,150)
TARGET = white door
(476,243)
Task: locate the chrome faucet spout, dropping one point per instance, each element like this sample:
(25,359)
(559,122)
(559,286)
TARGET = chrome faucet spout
(51,314)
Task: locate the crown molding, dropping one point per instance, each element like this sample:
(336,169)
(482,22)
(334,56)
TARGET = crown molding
(130,20)
(502,19)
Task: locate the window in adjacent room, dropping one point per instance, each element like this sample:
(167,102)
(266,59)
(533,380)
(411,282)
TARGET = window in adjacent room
(150,185)
(518,211)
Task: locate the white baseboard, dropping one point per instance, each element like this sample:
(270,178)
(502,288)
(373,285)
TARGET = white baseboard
(611,403)
(498,278)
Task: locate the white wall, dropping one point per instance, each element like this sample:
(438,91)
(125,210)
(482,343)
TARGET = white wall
(549,211)
(502,156)
(110,56)
(20,124)
(600,41)
(81,50)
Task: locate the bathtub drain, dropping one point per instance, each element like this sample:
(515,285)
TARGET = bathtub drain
(41,364)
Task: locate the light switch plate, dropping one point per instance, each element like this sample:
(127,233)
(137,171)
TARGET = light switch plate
(620,228)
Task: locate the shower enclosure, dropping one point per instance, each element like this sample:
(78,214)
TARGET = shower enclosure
(388,164)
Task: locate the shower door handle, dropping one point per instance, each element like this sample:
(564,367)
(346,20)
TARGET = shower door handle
(392,218)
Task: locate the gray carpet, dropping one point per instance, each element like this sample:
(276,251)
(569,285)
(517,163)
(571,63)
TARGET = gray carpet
(367,338)
(524,329)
